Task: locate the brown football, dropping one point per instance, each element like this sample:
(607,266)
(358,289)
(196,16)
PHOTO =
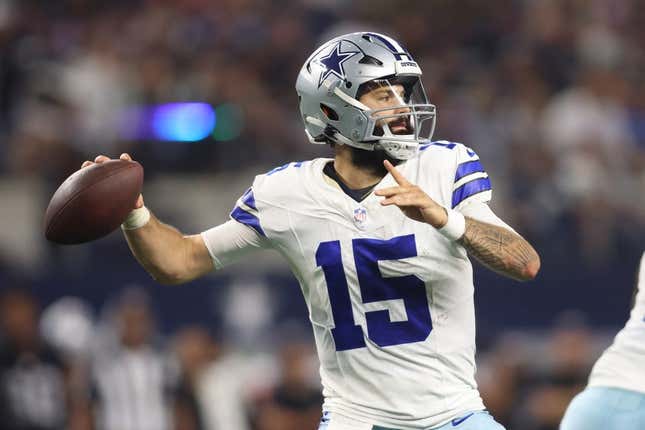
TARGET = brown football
(93,202)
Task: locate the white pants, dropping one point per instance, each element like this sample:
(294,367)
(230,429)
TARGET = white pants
(605,408)
(477,420)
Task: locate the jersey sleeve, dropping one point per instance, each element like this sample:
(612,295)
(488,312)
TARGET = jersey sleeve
(471,182)
(243,233)
(246,212)
(228,242)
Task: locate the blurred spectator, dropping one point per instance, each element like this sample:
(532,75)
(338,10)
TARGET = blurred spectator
(223,390)
(550,385)
(295,403)
(33,378)
(68,325)
(132,380)
(195,350)
(499,376)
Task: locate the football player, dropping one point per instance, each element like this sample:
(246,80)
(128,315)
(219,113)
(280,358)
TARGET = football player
(615,395)
(378,238)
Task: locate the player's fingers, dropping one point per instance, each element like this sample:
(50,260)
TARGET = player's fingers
(389,191)
(398,199)
(125,156)
(398,177)
(407,199)
(139,203)
(86,163)
(101,159)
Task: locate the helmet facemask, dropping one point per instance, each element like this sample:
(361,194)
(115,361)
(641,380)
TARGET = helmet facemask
(398,115)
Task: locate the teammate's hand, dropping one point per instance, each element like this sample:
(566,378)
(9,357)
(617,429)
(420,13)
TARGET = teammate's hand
(412,200)
(102,159)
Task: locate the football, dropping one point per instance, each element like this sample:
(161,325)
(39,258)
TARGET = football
(93,202)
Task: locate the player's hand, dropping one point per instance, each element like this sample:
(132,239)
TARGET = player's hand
(102,159)
(412,200)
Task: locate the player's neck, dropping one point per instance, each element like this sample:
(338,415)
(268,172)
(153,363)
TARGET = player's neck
(355,177)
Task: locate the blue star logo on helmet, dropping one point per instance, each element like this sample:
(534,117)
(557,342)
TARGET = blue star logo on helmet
(333,63)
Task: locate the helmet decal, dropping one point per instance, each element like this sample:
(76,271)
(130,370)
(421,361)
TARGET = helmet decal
(333,63)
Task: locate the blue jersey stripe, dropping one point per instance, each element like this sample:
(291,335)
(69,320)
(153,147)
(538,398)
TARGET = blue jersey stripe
(448,145)
(469,189)
(240,215)
(467,168)
(248,199)
(284,166)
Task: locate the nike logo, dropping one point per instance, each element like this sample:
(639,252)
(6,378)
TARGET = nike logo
(458,421)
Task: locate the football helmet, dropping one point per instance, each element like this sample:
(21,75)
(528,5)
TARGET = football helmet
(341,71)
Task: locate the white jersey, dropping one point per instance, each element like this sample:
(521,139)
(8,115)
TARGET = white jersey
(390,299)
(622,365)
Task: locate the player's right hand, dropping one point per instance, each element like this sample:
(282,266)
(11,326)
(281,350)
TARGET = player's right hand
(102,159)
(412,200)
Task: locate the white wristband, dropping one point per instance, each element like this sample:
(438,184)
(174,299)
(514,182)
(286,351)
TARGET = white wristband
(455,226)
(136,219)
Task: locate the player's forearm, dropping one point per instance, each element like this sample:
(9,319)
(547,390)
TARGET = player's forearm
(161,249)
(500,250)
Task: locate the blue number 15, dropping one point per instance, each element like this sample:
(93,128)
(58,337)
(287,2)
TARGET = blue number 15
(374,288)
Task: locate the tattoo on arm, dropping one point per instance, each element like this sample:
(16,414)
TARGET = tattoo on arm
(500,250)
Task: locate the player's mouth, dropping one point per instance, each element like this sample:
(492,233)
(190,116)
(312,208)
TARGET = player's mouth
(400,126)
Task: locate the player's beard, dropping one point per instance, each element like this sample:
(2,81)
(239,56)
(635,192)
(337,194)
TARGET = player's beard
(372,161)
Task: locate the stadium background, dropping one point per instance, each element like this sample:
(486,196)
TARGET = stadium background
(550,94)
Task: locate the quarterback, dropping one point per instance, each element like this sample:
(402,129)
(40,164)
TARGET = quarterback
(615,395)
(378,238)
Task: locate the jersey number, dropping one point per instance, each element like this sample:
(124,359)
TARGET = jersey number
(375,288)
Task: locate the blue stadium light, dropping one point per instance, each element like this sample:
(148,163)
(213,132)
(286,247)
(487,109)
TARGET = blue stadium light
(183,122)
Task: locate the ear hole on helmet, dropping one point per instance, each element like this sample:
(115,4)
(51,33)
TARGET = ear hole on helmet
(329,112)
(368,59)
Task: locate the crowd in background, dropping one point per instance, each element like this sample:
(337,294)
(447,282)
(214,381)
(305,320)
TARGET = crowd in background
(68,368)
(550,93)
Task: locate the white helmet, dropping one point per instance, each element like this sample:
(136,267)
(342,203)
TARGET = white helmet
(338,73)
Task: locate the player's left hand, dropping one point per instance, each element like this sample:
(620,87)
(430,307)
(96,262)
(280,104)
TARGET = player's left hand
(102,159)
(412,200)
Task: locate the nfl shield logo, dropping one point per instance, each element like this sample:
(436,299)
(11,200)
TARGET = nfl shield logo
(360,217)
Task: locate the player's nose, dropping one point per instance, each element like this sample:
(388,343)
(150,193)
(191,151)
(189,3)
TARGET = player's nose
(402,109)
